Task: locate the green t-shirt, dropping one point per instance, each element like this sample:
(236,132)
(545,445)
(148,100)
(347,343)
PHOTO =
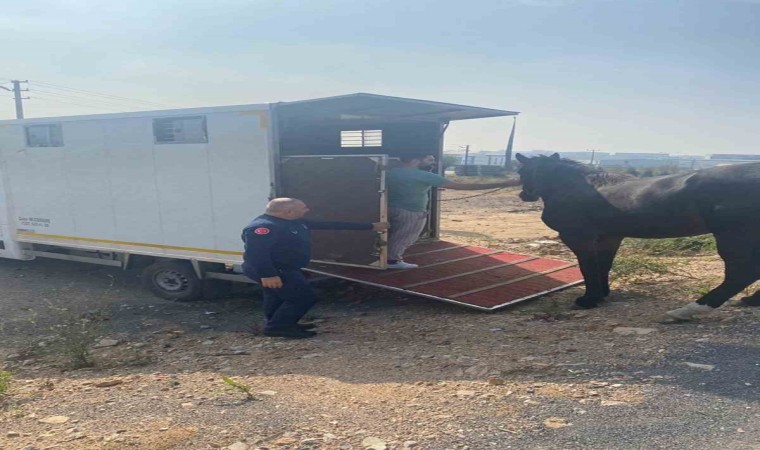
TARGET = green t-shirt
(409,188)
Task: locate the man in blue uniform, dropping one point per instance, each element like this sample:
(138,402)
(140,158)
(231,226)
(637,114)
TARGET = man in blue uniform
(277,247)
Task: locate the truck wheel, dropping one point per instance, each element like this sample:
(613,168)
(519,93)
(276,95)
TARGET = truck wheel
(173,280)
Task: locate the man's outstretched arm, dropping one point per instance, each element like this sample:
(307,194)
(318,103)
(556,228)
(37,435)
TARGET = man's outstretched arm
(320,225)
(479,186)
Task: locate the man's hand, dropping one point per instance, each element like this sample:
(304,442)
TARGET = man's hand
(271,282)
(380,226)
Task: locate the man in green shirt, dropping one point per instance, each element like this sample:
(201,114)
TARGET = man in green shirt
(408,193)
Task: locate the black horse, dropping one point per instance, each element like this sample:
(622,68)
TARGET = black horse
(592,222)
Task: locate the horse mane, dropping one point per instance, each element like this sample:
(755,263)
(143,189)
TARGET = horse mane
(595,176)
(603,178)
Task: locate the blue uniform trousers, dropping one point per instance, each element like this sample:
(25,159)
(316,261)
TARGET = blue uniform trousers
(284,307)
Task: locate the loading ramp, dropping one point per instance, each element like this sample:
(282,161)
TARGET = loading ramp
(466,275)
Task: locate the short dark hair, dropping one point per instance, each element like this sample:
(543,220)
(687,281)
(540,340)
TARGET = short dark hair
(409,158)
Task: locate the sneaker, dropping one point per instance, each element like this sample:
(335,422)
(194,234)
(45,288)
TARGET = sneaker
(402,265)
(689,311)
(291,333)
(306,326)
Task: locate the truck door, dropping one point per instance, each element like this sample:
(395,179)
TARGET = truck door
(345,188)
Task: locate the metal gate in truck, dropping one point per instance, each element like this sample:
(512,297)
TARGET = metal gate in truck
(345,188)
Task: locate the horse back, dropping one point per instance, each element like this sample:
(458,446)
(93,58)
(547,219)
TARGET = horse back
(683,204)
(722,183)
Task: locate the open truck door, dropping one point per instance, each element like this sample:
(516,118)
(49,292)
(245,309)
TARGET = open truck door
(345,188)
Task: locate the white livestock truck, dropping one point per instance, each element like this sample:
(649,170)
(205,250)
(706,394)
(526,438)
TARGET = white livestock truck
(169,191)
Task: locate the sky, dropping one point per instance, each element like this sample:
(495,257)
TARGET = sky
(610,75)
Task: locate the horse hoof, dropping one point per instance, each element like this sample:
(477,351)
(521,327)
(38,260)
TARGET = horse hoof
(750,301)
(587,302)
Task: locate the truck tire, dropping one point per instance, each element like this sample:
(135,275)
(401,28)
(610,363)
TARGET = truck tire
(173,280)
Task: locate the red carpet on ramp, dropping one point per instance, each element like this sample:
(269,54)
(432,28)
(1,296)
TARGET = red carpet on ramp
(466,275)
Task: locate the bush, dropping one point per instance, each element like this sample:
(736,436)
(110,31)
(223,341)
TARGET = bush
(5,382)
(75,334)
(646,172)
(635,267)
(695,245)
(244,388)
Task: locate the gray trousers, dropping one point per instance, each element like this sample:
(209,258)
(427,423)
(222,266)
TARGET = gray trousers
(406,227)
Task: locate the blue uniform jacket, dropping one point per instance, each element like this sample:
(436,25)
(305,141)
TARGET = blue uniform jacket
(273,244)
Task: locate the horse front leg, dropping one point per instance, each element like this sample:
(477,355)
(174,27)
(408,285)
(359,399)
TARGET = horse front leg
(585,250)
(606,249)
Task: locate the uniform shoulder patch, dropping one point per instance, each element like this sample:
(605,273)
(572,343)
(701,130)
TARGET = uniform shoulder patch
(262,230)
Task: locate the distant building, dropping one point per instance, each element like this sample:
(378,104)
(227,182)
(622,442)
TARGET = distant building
(638,160)
(638,156)
(638,163)
(736,157)
(481,158)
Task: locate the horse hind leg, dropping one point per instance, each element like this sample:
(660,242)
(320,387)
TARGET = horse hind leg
(754,299)
(751,300)
(736,280)
(740,257)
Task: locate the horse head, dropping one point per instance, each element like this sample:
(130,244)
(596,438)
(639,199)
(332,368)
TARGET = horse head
(532,174)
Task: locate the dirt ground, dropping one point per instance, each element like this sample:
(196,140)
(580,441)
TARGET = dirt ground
(496,218)
(386,371)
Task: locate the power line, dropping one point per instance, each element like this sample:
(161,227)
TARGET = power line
(98,94)
(76,101)
(110,103)
(46,99)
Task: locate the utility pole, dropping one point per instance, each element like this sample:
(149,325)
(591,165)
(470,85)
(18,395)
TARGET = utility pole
(17,96)
(510,143)
(466,160)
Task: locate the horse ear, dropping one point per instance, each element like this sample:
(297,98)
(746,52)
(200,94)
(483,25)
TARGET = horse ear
(555,156)
(521,158)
